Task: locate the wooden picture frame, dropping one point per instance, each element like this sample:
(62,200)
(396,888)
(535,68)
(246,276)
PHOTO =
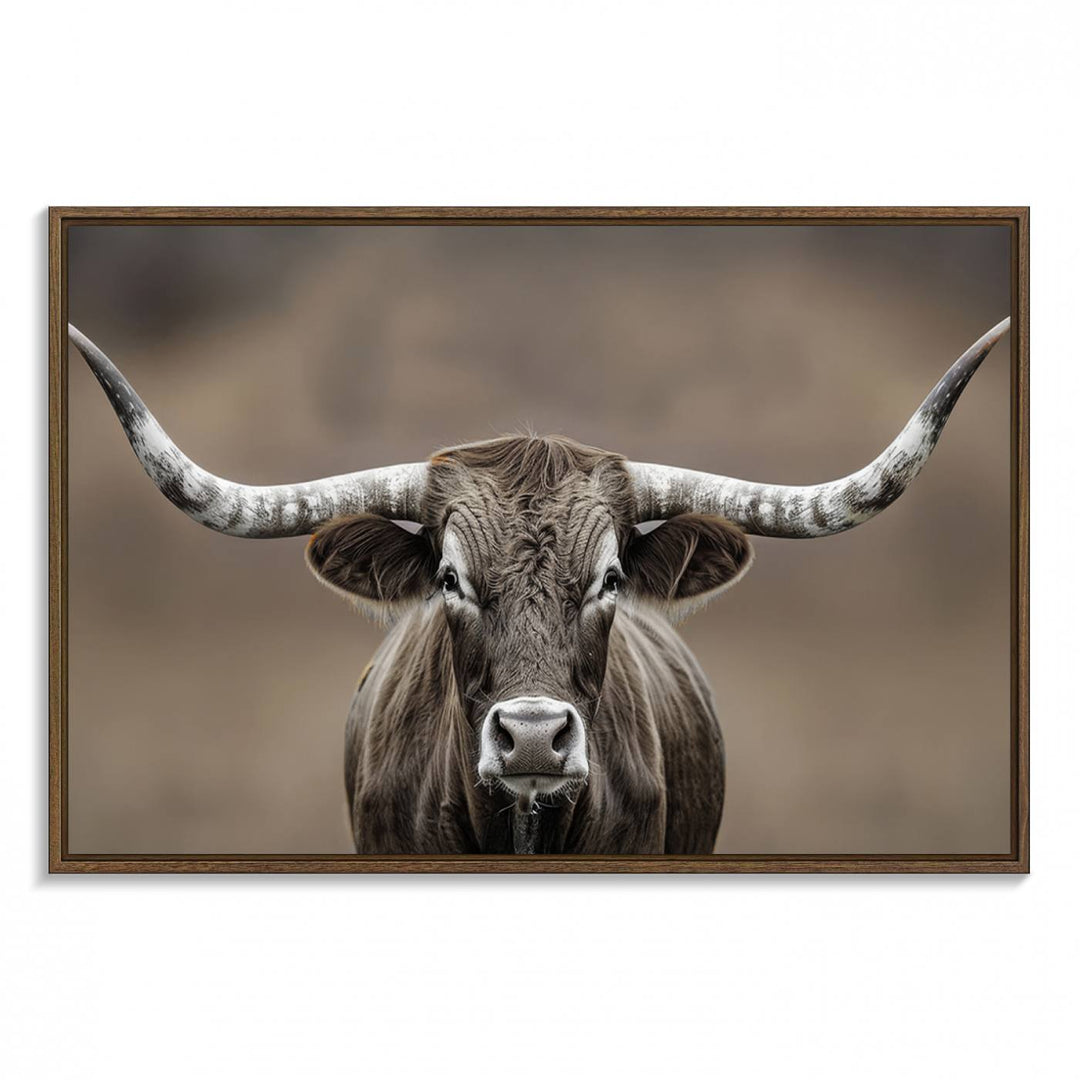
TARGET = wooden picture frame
(62,860)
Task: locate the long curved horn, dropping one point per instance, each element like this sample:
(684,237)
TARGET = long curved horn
(817,509)
(242,509)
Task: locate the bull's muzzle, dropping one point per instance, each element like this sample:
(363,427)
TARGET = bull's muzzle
(533,746)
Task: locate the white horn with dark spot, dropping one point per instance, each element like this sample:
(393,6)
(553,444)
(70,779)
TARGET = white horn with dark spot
(663,491)
(245,510)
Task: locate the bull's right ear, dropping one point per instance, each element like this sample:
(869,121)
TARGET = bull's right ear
(373,561)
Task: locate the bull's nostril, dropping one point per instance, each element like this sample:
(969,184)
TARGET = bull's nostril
(563,737)
(503,739)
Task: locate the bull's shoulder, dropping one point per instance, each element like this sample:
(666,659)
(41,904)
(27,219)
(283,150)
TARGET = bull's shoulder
(401,689)
(653,675)
(664,686)
(649,646)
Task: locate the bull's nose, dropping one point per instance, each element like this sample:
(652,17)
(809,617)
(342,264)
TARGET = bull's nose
(534,741)
(528,737)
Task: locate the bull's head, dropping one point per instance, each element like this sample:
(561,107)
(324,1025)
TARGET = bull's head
(526,544)
(529,545)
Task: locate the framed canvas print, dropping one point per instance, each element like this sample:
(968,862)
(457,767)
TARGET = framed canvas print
(526,539)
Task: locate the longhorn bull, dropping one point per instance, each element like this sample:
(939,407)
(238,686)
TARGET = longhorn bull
(531,666)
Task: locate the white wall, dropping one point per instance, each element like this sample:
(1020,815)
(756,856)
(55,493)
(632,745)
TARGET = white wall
(618,103)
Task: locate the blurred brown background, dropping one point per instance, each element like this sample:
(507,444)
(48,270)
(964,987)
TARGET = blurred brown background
(862,680)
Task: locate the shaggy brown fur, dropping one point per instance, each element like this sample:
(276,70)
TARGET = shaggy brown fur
(531,515)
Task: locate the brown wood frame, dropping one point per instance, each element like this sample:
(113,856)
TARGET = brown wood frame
(1016,860)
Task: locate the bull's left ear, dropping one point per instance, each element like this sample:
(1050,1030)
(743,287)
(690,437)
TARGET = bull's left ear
(685,562)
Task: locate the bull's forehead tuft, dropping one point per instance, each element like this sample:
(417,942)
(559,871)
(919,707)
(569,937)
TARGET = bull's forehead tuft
(529,512)
(538,481)
(557,534)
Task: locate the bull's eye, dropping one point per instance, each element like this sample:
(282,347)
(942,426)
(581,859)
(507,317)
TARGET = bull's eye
(611,581)
(449,580)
